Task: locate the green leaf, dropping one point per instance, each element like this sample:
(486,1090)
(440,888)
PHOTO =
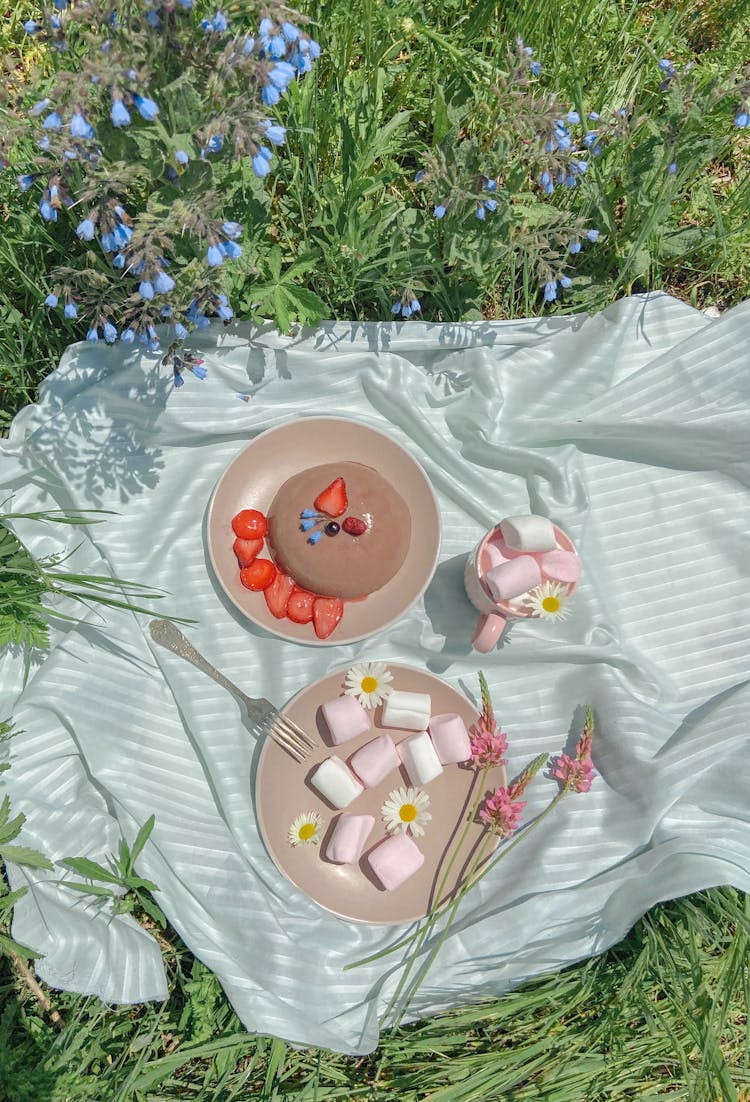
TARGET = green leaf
(90,869)
(8,945)
(152,910)
(23,855)
(141,838)
(88,889)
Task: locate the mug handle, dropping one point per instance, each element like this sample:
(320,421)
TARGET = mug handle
(487,632)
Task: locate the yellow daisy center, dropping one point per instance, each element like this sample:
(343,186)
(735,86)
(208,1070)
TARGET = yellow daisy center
(369,684)
(551,604)
(306,832)
(407,813)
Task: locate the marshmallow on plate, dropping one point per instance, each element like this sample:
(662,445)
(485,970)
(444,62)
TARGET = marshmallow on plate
(408,710)
(450,738)
(561,566)
(335,782)
(345,718)
(419,758)
(375,760)
(511,579)
(348,838)
(529,533)
(395,860)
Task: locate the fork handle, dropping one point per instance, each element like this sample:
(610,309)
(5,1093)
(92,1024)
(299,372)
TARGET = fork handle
(167,635)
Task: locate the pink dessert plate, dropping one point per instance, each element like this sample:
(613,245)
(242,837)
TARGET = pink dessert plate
(283,791)
(251,481)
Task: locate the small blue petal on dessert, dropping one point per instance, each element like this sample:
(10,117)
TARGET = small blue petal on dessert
(314,537)
(308,513)
(306,525)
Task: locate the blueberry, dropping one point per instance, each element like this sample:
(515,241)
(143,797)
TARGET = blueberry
(332,528)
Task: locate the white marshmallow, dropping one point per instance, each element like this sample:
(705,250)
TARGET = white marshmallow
(529,533)
(336,783)
(419,758)
(408,710)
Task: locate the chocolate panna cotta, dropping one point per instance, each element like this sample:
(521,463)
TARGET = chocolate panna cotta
(339,529)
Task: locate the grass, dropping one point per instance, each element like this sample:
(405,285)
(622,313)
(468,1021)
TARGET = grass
(664,1014)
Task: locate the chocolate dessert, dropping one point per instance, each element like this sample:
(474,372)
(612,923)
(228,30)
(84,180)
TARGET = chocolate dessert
(339,529)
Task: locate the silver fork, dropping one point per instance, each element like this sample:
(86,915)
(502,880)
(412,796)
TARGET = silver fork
(262,714)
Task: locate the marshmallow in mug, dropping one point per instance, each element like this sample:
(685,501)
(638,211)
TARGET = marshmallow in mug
(419,759)
(348,838)
(336,783)
(408,710)
(395,860)
(529,533)
(375,760)
(512,578)
(562,566)
(345,718)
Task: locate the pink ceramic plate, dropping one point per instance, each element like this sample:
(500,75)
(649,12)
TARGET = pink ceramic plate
(283,791)
(251,481)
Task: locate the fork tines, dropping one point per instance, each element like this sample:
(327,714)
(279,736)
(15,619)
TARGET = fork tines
(291,737)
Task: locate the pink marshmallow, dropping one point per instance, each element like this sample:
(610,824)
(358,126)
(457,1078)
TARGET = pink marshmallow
(395,860)
(561,566)
(348,838)
(450,738)
(491,556)
(346,718)
(513,578)
(375,760)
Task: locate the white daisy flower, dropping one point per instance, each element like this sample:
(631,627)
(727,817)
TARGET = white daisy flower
(305,830)
(406,809)
(369,682)
(548,600)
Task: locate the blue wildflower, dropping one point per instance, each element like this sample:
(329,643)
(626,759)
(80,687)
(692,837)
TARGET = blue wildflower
(110,333)
(593,235)
(220,22)
(119,114)
(566,281)
(249,46)
(163,284)
(573,117)
(275,134)
(266,26)
(180,331)
(52,122)
(590,138)
(535,68)
(225,312)
(48,212)
(39,106)
(215,143)
(574,247)
(51,300)
(406,311)
(550,290)
(166,311)
(276,47)
(480,212)
(282,75)
(70,155)
(199,371)
(396,308)
(178,379)
(127,335)
(92,335)
(570,181)
(70,310)
(491,205)
(490,185)
(146,289)
(181,157)
(416,306)
(25,181)
(119,261)
(666,65)
(231,229)
(31,26)
(270,95)
(80,127)
(153,20)
(147,109)
(742,120)
(214,256)
(261,166)
(314,49)
(86,230)
(439,210)
(550,146)
(672,168)
(290,32)
(232,250)
(109,242)
(594,116)
(419,176)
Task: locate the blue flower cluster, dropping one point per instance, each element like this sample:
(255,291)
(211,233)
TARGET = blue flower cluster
(552,282)
(406,305)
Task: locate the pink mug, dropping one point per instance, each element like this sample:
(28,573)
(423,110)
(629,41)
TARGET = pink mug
(495,614)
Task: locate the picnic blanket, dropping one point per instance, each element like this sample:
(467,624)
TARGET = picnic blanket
(629,429)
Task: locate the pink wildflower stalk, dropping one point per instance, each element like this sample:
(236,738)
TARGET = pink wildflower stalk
(577,774)
(500,814)
(517,787)
(488,743)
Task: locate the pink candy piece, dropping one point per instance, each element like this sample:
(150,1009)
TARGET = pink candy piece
(348,838)
(511,579)
(375,760)
(346,718)
(561,566)
(395,860)
(450,738)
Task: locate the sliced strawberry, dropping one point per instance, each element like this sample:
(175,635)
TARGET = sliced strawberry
(327,612)
(333,500)
(354,526)
(258,575)
(247,550)
(299,608)
(250,524)
(278,594)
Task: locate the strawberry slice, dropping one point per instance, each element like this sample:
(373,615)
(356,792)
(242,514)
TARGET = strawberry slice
(278,593)
(246,550)
(258,575)
(299,608)
(333,500)
(327,612)
(250,524)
